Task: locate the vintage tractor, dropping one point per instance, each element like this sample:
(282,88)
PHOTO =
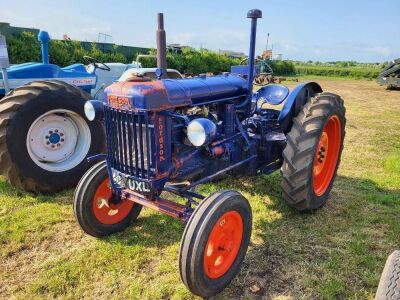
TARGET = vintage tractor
(175,134)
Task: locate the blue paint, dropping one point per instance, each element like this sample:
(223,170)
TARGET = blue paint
(274,94)
(44,39)
(54,138)
(254,14)
(297,97)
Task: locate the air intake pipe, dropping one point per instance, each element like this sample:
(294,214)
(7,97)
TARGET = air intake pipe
(253,14)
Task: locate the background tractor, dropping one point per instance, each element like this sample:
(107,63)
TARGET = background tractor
(171,135)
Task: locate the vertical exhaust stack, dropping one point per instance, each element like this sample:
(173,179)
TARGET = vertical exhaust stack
(253,14)
(44,39)
(161,45)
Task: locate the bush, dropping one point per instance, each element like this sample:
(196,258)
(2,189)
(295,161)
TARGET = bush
(352,72)
(26,48)
(283,67)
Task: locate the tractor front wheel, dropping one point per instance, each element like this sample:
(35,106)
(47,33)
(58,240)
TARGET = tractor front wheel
(215,242)
(96,208)
(313,150)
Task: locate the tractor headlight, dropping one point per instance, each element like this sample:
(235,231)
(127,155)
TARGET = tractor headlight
(94,110)
(201,131)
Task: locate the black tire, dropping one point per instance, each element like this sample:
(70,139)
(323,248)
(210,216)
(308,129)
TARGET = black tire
(84,209)
(389,285)
(299,153)
(195,237)
(18,110)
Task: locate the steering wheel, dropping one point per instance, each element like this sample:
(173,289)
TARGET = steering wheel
(96,63)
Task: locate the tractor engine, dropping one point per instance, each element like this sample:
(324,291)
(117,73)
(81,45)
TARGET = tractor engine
(182,130)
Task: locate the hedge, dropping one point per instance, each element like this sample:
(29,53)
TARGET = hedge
(352,72)
(25,48)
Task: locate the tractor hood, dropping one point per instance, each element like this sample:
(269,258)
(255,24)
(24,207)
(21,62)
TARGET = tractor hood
(21,74)
(169,93)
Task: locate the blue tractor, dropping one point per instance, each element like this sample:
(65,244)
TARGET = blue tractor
(175,134)
(44,135)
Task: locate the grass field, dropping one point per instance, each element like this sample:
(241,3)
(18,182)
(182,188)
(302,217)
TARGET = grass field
(336,71)
(337,252)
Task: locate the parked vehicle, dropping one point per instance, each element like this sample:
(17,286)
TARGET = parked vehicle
(175,134)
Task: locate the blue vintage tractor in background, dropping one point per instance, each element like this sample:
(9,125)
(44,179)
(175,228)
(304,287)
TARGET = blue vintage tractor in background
(171,135)
(44,135)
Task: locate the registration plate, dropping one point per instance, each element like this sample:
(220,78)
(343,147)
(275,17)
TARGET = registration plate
(128,182)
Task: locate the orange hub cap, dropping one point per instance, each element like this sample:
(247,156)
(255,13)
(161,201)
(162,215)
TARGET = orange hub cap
(223,244)
(326,155)
(104,210)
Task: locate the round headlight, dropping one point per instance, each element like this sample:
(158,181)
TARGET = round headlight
(201,131)
(93,110)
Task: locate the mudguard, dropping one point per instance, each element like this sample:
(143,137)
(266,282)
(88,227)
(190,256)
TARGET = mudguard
(295,102)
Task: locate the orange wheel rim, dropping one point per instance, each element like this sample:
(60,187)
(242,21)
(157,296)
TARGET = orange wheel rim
(223,244)
(326,155)
(104,210)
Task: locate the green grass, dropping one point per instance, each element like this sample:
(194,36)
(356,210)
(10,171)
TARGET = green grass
(337,252)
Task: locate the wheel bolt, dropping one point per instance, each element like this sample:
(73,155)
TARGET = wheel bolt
(62,140)
(48,143)
(58,145)
(56,130)
(52,146)
(50,132)
(61,134)
(47,137)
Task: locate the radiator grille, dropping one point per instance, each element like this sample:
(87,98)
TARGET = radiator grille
(130,142)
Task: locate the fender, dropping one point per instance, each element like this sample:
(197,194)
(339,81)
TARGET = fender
(295,102)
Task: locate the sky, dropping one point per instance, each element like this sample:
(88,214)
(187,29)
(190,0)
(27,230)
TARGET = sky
(360,30)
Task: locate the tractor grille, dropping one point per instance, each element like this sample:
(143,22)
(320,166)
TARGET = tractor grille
(130,142)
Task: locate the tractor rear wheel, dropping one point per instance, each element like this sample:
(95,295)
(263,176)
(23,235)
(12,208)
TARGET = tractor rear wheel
(215,242)
(312,154)
(96,210)
(45,137)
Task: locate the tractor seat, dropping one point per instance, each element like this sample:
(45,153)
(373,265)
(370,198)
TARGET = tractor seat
(274,94)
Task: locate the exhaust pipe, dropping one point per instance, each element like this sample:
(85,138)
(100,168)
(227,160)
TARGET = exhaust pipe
(44,39)
(161,45)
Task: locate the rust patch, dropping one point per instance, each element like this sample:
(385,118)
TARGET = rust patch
(119,102)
